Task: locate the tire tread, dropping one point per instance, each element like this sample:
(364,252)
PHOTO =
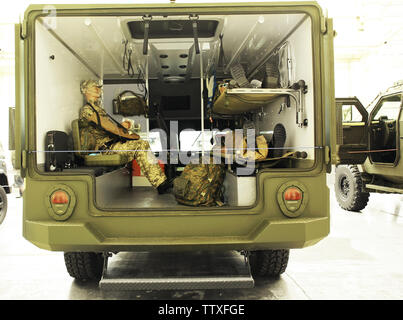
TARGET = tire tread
(269,263)
(84,266)
(359,199)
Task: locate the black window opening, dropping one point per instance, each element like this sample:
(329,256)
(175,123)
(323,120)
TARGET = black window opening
(171,103)
(173,29)
(384,140)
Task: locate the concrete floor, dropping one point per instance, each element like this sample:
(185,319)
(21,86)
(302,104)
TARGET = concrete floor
(361,259)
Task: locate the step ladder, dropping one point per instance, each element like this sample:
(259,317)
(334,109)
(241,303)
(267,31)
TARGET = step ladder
(176,271)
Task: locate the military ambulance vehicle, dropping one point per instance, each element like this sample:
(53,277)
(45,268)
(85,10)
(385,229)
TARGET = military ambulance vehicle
(370,142)
(203,70)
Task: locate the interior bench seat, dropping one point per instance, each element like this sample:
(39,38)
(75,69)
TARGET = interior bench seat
(97,160)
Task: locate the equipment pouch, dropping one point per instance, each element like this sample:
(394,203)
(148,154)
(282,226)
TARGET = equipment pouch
(130,105)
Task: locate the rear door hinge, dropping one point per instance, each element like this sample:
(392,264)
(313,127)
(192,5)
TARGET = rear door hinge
(323,24)
(327,155)
(24,29)
(24,159)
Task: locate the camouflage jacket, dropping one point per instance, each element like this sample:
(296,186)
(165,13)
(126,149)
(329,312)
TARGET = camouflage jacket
(92,136)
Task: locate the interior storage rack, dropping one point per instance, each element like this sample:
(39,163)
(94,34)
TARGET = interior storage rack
(240,100)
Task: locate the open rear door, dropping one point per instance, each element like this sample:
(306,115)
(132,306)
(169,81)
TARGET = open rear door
(329,96)
(19,161)
(352,131)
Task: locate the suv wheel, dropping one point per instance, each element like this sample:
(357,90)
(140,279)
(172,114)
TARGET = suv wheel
(269,263)
(84,266)
(348,188)
(3,204)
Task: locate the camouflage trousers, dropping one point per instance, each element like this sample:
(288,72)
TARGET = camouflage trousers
(141,152)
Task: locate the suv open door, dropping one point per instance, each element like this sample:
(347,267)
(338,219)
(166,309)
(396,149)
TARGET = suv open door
(352,131)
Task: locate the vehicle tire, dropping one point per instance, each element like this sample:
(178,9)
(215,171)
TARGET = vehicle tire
(84,266)
(3,204)
(268,263)
(348,188)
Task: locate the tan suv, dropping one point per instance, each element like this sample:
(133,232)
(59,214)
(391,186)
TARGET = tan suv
(371,143)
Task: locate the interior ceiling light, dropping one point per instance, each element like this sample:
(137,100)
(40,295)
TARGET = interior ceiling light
(174,79)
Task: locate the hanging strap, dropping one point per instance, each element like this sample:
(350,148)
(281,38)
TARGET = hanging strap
(127,60)
(96,112)
(210,84)
(194,19)
(221,59)
(99,119)
(146,20)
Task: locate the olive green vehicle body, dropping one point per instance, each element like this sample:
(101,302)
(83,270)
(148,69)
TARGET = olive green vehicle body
(261,226)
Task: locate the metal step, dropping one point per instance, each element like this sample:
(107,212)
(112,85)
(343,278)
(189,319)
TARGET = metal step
(383,188)
(176,271)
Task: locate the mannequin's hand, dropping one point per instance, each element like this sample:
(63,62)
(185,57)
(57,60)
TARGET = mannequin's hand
(126,124)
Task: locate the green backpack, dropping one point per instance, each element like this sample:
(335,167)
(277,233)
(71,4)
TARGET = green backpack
(200,185)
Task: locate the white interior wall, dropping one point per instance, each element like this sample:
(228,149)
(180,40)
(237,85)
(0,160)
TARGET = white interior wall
(58,96)
(99,43)
(303,138)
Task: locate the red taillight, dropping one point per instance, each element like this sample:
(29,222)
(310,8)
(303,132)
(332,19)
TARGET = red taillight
(59,197)
(292,194)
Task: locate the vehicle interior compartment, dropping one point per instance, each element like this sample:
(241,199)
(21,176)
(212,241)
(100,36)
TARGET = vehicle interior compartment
(235,89)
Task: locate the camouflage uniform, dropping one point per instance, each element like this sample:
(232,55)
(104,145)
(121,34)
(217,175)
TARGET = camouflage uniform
(94,138)
(140,150)
(200,185)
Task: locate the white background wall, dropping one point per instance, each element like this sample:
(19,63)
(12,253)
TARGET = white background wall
(366,77)
(368,46)
(6,79)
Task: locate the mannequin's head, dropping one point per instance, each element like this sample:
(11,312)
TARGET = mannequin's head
(92,90)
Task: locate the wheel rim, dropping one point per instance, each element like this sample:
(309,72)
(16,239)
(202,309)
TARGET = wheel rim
(344,187)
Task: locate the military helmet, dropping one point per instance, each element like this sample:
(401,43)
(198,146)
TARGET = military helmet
(87,84)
